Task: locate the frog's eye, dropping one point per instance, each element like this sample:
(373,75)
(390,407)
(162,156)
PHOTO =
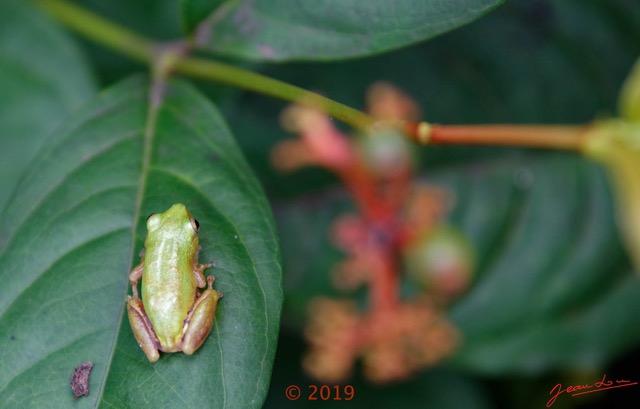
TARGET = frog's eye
(195,224)
(153,221)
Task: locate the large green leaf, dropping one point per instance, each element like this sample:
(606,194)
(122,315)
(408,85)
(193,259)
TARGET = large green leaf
(72,232)
(278,30)
(42,78)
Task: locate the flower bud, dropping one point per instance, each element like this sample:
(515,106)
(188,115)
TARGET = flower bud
(616,144)
(386,153)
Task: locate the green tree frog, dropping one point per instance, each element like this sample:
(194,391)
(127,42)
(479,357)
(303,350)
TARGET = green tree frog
(171,316)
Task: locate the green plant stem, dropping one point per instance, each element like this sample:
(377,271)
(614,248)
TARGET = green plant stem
(251,81)
(100,29)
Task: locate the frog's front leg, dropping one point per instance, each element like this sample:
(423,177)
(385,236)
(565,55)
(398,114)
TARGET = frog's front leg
(140,323)
(136,275)
(200,320)
(198,273)
(198,269)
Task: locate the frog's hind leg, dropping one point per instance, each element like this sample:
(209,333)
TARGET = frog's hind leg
(200,320)
(142,328)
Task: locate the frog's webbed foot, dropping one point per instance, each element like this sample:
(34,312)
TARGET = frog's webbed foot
(142,328)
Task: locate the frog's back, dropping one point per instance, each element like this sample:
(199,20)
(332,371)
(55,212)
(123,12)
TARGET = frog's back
(168,285)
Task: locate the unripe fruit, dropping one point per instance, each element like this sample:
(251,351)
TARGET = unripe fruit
(441,260)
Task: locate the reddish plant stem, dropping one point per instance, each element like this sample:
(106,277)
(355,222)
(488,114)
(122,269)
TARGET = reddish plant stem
(385,287)
(362,187)
(563,137)
(381,215)
(362,194)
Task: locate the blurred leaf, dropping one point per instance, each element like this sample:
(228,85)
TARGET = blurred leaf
(73,230)
(329,29)
(554,284)
(157,19)
(195,11)
(42,78)
(630,95)
(553,289)
(304,230)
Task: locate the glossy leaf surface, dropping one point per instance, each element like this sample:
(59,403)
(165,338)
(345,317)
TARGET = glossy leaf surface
(331,29)
(43,77)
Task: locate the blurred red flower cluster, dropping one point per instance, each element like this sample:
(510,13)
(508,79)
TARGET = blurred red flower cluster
(399,226)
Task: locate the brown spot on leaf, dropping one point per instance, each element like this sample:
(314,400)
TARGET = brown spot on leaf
(80,379)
